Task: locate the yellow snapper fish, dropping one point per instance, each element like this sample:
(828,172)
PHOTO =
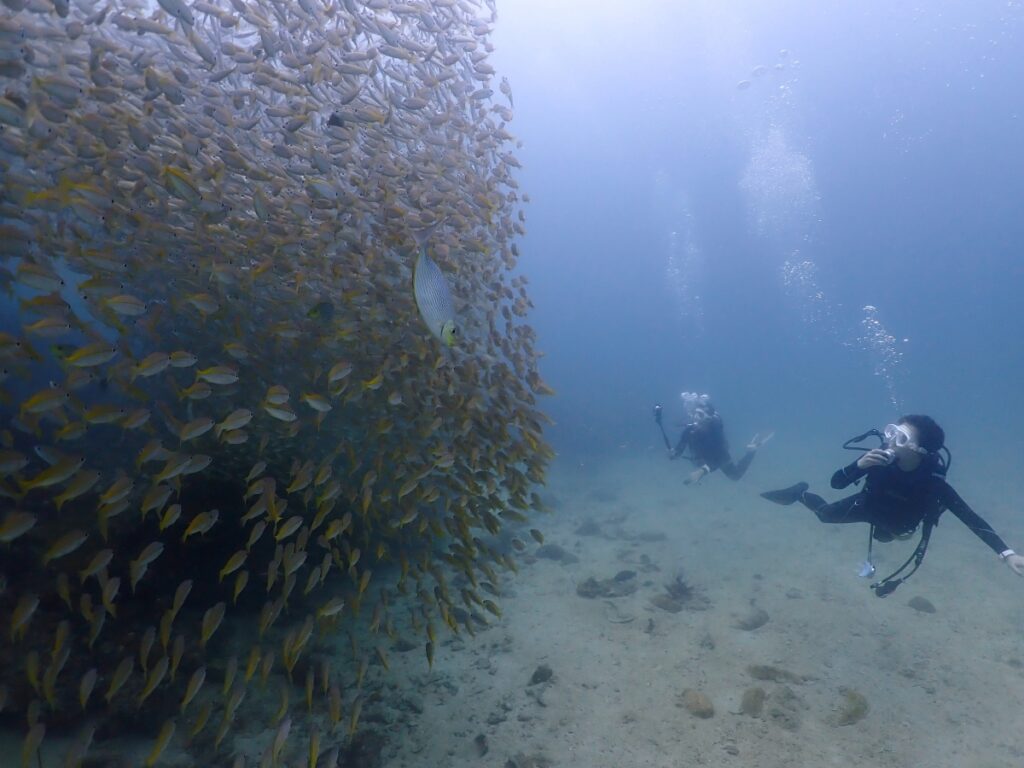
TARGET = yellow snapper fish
(433,296)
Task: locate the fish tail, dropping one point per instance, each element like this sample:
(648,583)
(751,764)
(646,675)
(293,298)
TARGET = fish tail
(59,355)
(175,426)
(30,198)
(422,236)
(11,492)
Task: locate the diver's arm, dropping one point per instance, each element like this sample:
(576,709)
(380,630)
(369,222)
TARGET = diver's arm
(851,473)
(684,440)
(952,501)
(847,475)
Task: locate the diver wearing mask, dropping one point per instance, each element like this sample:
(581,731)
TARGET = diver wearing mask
(905,486)
(704,435)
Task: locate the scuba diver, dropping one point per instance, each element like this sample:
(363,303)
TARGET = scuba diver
(905,486)
(704,435)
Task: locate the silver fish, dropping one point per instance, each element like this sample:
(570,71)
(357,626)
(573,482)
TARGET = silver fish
(433,295)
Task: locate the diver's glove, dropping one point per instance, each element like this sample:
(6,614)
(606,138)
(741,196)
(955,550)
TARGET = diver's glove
(1015,561)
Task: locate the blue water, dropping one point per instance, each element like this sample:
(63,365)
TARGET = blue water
(885,151)
(878,165)
(811,211)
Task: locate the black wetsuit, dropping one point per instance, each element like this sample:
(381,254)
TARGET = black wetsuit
(708,445)
(896,502)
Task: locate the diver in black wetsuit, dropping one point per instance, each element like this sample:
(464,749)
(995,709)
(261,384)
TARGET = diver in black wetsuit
(905,486)
(704,435)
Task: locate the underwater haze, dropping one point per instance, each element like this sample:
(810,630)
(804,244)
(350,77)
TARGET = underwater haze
(811,212)
(332,339)
(720,189)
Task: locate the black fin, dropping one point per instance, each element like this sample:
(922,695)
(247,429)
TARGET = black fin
(786,496)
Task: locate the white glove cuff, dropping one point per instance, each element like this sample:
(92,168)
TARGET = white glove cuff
(1005,554)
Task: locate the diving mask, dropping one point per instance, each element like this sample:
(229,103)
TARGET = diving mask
(898,436)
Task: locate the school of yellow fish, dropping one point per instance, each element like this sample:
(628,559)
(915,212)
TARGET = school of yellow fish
(227,433)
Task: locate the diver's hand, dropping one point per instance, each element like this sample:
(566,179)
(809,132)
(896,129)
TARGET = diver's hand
(757,441)
(876,457)
(696,476)
(1016,562)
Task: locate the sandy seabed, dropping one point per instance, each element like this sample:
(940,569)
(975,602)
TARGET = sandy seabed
(941,689)
(614,680)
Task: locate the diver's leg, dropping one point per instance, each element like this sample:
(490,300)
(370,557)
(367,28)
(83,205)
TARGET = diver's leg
(852,509)
(736,471)
(849,510)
